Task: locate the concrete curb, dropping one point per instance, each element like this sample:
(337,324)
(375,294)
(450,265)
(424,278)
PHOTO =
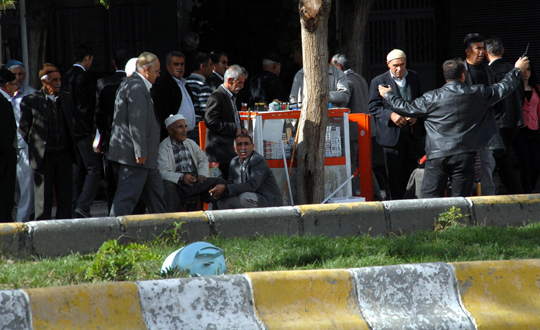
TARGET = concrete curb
(60,237)
(465,295)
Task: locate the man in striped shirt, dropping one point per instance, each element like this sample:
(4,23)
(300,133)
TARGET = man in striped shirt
(202,68)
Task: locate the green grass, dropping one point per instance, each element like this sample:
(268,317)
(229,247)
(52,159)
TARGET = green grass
(143,262)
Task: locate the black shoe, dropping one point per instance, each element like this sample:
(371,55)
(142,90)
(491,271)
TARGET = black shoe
(78,214)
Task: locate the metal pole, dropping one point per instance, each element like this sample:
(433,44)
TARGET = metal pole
(24,38)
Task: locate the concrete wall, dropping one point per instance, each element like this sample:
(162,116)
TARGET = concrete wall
(60,237)
(465,295)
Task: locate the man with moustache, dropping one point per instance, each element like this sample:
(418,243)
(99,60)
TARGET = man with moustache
(135,141)
(402,138)
(171,95)
(25,174)
(8,144)
(47,127)
(183,166)
(221,64)
(251,182)
(479,73)
(222,119)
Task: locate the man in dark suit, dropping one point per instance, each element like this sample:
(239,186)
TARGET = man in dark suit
(221,64)
(402,138)
(87,173)
(266,86)
(105,96)
(135,141)
(222,119)
(171,95)
(508,113)
(8,143)
(251,182)
(47,127)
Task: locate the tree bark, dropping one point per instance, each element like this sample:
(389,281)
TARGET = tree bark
(314,21)
(354,16)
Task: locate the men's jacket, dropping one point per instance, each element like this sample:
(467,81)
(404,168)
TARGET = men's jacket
(458,117)
(266,87)
(135,130)
(167,98)
(215,81)
(34,124)
(260,180)
(387,131)
(358,102)
(508,112)
(106,95)
(82,87)
(221,127)
(8,131)
(167,164)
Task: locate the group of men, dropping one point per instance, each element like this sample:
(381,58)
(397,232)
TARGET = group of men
(147,129)
(459,120)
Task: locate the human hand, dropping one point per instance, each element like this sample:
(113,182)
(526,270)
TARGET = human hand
(398,120)
(202,178)
(522,63)
(410,120)
(189,179)
(141,160)
(217,191)
(245,131)
(383,89)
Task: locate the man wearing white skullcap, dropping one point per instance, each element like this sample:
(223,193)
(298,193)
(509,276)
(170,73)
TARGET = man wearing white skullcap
(402,138)
(183,166)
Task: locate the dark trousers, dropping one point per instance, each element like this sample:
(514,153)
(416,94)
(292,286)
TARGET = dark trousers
(175,193)
(460,170)
(136,182)
(505,170)
(400,161)
(56,173)
(527,149)
(111,178)
(86,174)
(8,175)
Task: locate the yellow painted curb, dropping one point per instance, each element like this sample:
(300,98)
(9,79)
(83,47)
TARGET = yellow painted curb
(501,294)
(507,199)
(361,206)
(311,299)
(11,228)
(92,306)
(199,215)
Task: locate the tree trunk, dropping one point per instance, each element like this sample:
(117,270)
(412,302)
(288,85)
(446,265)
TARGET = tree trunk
(314,20)
(354,16)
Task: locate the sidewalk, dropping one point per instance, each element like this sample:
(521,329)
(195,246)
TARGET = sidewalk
(98,210)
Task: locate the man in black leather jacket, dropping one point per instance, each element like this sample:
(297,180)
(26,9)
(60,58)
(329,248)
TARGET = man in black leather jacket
(458,122)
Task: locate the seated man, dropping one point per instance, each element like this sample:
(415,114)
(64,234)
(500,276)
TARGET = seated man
(251,182)
(183,166)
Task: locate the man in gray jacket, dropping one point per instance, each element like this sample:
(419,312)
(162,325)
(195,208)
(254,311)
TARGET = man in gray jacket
(459,122)
(135,141)
(183,166)
(251,182)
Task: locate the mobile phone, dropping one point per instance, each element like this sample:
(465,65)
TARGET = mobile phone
(526,50)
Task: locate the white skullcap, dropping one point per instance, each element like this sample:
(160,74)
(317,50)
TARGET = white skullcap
(131,66)
(173,118)
(396,53)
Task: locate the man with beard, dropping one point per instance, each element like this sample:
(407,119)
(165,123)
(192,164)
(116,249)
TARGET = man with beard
(251,182)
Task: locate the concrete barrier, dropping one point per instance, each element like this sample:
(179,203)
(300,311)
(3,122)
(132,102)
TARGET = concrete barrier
(407,216)
(60,237)
(464,295)
(346,219)
(422,296)
(511,210)
(256,222)
(193,225)
(311,299)
(211,302)
(501,294)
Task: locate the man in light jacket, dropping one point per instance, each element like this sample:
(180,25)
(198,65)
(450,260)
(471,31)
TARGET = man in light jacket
(183,166)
